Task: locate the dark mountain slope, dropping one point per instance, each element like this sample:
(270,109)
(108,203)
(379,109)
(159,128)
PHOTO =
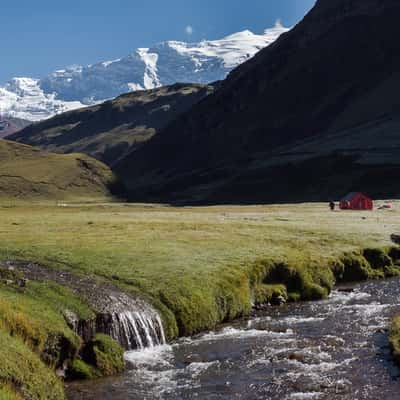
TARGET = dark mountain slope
(109,130)
(336,70)
(9,125)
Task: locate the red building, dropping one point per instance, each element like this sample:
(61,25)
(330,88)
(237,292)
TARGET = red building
(356,201)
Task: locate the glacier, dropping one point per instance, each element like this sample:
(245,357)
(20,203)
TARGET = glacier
(147,68)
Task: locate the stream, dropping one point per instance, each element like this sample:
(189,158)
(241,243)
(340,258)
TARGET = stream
(331,349)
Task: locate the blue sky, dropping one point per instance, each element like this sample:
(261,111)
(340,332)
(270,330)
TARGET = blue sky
(37,37)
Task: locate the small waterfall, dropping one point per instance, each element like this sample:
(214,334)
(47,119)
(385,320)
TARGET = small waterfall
(136,330)
(163,340)
(132,321)
(133,330)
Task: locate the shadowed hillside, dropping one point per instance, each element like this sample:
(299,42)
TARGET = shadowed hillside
(9,125)
(111,130)
(304,97)
(29,173)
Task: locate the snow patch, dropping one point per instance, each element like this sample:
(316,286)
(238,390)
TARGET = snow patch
(150,80)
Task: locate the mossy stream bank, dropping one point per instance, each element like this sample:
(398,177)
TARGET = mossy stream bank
(60,326)
(35,314)
(235,291)
(336,348)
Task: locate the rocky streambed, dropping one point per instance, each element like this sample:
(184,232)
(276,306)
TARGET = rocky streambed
(334,349)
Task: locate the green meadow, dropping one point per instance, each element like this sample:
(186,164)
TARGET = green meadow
(197,266)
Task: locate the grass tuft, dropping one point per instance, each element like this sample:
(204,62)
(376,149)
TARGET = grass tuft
(8,393)
(269,294)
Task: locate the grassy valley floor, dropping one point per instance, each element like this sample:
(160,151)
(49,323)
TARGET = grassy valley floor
(197,266)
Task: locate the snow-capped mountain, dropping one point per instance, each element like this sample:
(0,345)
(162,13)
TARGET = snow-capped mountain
(147,68)
(25,99)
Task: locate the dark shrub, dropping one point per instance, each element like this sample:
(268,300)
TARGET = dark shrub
(287,275)
(394,253)
(377,258)
(356,268)
(337,267)
(105,354)
(102,356)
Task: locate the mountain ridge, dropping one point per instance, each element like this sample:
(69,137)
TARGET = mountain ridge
(147,68)
(110,130)
(335,70)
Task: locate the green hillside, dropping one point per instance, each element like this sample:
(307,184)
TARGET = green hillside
(29,173)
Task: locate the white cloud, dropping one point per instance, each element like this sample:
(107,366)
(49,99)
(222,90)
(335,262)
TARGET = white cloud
(189,30)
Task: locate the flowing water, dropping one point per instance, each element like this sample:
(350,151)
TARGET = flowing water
(131,321)
(136,330)
(334,349)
